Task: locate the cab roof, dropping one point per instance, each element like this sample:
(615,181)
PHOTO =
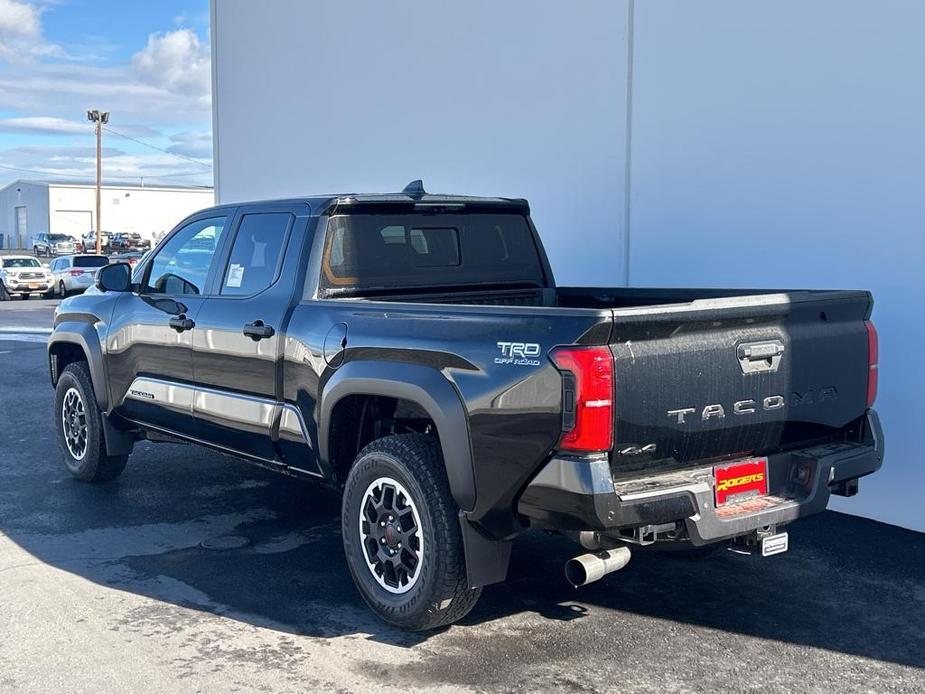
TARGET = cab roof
(413,194)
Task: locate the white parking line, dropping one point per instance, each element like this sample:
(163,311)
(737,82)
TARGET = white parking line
(41,338)
(24,329)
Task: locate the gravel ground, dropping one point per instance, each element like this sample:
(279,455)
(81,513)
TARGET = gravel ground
(119,588)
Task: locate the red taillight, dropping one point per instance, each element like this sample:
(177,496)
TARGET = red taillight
(76,273)
(587,406)
(873,358)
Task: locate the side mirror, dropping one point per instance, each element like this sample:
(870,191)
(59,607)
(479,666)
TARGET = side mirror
(115,277)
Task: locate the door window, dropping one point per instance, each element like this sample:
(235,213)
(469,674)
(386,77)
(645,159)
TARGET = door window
(255,255)
(181,266)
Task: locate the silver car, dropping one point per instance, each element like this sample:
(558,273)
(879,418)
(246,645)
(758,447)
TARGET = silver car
(75,273)
(53,244)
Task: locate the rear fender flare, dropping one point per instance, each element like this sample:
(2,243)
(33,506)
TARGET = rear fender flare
(424,386)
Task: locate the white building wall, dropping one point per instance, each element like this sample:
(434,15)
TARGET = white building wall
(783,145)
(34,197)
(770,144)
(147,211)
(498,98)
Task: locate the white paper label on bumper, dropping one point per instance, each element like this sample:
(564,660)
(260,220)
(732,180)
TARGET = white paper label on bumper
(774,544)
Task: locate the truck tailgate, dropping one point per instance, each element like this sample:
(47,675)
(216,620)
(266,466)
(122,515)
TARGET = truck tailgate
(737,376)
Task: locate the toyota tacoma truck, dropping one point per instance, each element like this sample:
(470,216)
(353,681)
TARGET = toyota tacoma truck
(414,352)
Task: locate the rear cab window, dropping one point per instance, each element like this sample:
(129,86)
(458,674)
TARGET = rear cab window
(368,252)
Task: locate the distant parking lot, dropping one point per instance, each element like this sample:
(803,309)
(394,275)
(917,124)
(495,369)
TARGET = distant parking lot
(196,572)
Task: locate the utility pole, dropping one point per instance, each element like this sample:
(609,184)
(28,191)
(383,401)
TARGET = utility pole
(99,119)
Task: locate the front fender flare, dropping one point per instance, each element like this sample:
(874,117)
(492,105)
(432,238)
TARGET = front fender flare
(84,336)
(422,385)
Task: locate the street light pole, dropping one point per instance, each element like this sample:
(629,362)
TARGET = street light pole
(99,119)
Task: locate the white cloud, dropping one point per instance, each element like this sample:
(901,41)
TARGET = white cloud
(41,125)
(45,92)
(176,61)
(192,144)
(79,161)
(21,33)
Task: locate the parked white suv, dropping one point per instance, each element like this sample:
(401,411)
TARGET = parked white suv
(23,275)
(75,273)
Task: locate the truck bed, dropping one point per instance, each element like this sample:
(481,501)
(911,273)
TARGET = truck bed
(691,382)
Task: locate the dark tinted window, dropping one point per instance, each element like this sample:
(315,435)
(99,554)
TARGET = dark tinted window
(21,262)
(59,237)
(90,261)
(181,265)
(393,251)
(255,254)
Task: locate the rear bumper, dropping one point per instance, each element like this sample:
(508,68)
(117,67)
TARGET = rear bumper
(580,494)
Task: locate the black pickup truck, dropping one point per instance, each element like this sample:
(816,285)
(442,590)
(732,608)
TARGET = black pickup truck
(413,351)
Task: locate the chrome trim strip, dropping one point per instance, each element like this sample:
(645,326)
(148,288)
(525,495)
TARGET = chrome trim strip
(252,413)
(232,409)
(293,426)
(177,397)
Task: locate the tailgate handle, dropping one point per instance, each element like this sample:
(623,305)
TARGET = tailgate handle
(760,357)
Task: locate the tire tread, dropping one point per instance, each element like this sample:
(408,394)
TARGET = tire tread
(420,454)
(98,467)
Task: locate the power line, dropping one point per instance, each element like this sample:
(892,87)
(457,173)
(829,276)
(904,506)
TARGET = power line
(43,173)
(155,147)
(124,176)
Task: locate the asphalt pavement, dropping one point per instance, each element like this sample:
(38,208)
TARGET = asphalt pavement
(195,572)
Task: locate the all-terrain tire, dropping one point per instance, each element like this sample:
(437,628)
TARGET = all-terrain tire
(84,455)
(440,593)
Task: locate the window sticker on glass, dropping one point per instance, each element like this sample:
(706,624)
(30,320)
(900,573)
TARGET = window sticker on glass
(235,275)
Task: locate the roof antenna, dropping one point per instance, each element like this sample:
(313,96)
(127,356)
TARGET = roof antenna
(415,189)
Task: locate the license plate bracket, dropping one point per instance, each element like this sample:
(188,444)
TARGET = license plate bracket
(774,544)
(741,480)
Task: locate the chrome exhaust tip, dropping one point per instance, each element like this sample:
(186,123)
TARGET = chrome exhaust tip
(588,568)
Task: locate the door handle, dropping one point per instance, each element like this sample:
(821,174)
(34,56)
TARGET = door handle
(181,323)
(258,330)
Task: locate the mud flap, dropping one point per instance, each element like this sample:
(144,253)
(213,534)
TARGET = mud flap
(486,559)
(118,442)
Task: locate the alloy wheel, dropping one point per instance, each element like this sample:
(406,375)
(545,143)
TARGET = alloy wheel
(74,422)
(391,535)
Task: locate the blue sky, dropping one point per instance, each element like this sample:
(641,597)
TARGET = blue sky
(145,62)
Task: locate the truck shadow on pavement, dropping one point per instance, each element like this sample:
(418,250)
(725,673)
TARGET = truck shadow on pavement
(194,529)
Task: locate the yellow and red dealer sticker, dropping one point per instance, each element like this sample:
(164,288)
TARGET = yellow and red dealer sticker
(742,480)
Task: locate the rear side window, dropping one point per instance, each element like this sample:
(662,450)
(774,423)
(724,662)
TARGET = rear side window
(91,261)
(414,250)
(256,253)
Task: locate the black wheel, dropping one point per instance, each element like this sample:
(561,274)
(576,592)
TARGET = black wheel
(400,528)
(62,290)
(80,428)
(4,294)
